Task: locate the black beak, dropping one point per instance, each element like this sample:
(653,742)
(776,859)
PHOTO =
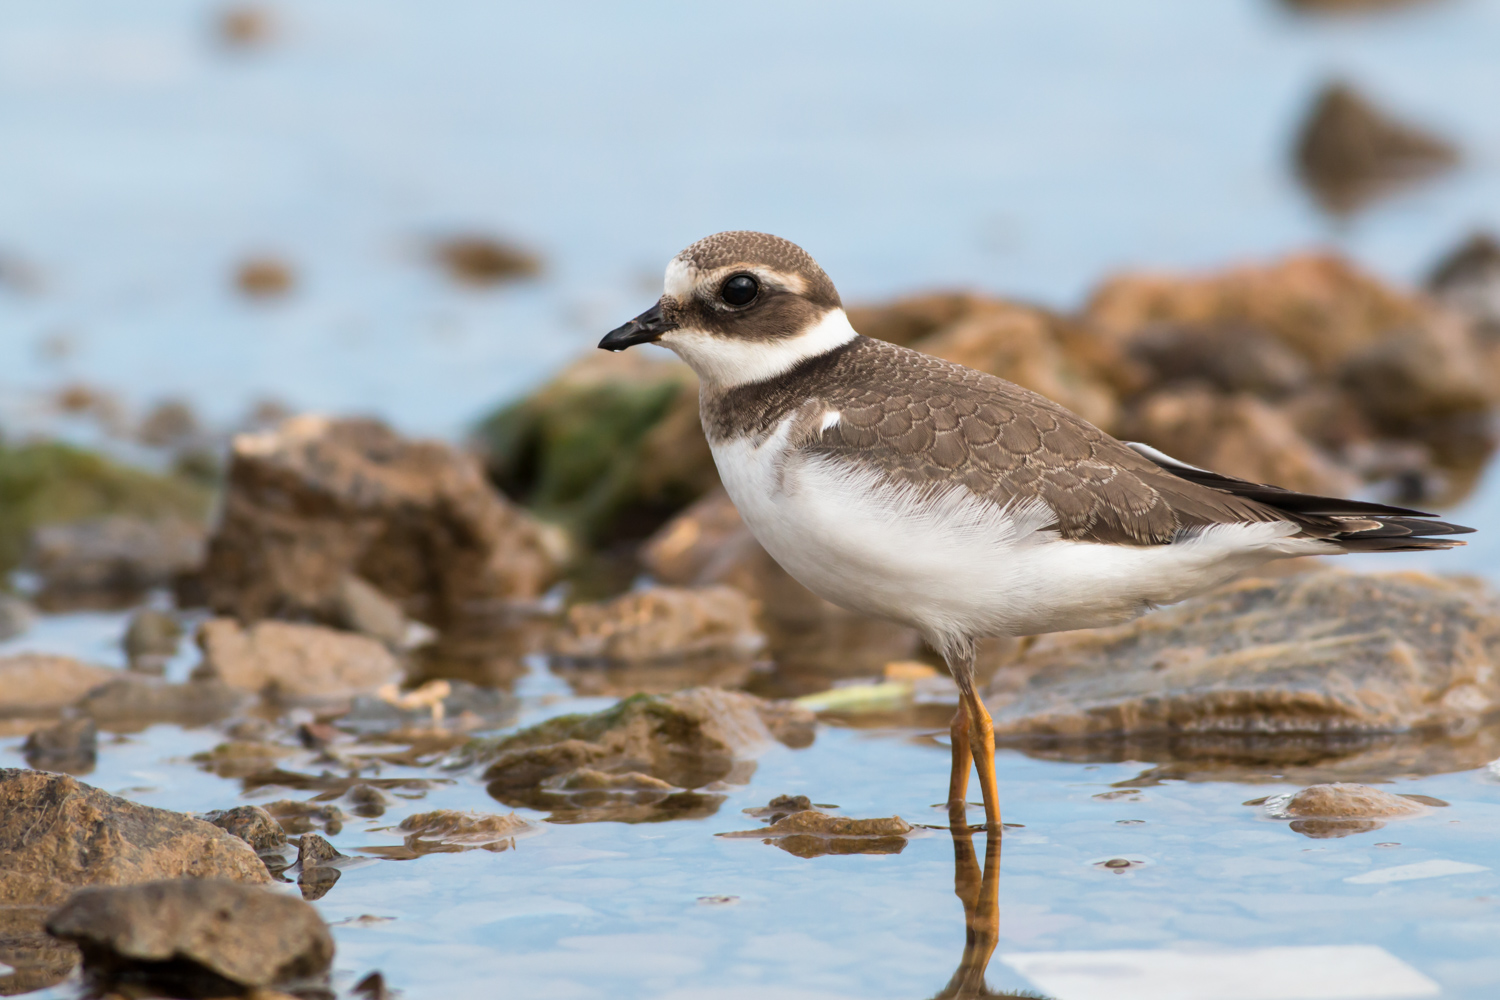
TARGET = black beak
(646,328)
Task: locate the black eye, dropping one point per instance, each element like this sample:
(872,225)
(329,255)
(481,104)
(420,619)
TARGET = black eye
(740,290)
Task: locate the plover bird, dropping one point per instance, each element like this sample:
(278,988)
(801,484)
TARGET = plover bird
(905,487)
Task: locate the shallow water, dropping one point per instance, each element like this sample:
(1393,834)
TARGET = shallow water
(670,910)
(1025,149)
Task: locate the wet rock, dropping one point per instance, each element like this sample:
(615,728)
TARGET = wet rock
(1340,809)
(33,959)
(57,834)
(288,662)
(366,801)
(780,807)
(482,261)
(317,866)
(70,746)
(318,501)
(812,641)
(1320,657)
(1349,151)
(33,684)
(49,484)
(1359,369)
(237,759)
(812,834)
(454,706)
(362,608)
(658,743)
(661,623)
(16,616)
(244,26)
(192,937)
(151,640)
(448,831)
(603,679)
(264,278)
(610,448)
(252,824)
(113,559)
(302,817)
(371,987)
(127,704)
(1237,435)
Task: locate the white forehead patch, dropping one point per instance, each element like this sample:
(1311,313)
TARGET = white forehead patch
(679,280)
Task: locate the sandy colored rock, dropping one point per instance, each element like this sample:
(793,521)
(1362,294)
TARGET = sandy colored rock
(610,447)
(252,824)
(811,834)
(1349,151)
(39,684)
(70,746)
(1319,655)
(219,936)
(456,830)
(661,623)
(319,500)
(130,703)
(1238,435)
(359,607)
(293,662)
(1341,800)
(482,260)
(57,834)
(812,641)
(660,743)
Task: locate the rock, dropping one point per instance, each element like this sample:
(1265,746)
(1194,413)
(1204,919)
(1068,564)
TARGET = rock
(481,261)
(288,662)
(361,608)
(779,808)
(617,679)
(811,641)
(33,684)
(371,987)
(657,743)
(1237,435)
(366,801)
(1349,151)
(447,831)
(244,26)
(151,640)
(661,623)
(318,501)
(314,851)
(610,448)
(47,483)
(170,423)
(1346,6)
(300,817)
(906,321)
(33,959)
(16,616)
(127,704)
(317,868)
(812,834)
(194,937)
(239,759)
(70,746)
(265,278)
(1340,809)
(252,824)
(112,560)
(1228,357)
(1311,662)
(57,834)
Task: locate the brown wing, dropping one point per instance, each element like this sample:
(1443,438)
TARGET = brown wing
(925,421)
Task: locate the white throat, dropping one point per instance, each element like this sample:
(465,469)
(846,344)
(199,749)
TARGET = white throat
(725,362)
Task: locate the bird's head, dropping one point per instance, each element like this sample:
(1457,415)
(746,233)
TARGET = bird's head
(741,307)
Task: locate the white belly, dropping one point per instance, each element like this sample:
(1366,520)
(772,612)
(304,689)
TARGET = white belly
(958,565)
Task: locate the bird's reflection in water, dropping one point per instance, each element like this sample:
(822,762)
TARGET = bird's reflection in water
(979,891)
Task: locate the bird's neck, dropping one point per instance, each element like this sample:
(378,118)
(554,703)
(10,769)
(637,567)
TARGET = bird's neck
(727,362)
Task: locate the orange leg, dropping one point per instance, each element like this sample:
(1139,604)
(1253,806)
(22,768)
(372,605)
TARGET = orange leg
(958,781)
(982,747)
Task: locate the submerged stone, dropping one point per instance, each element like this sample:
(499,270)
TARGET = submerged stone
(252,824)
(810,834)
(1342,808)
(135,702)
(71,745)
